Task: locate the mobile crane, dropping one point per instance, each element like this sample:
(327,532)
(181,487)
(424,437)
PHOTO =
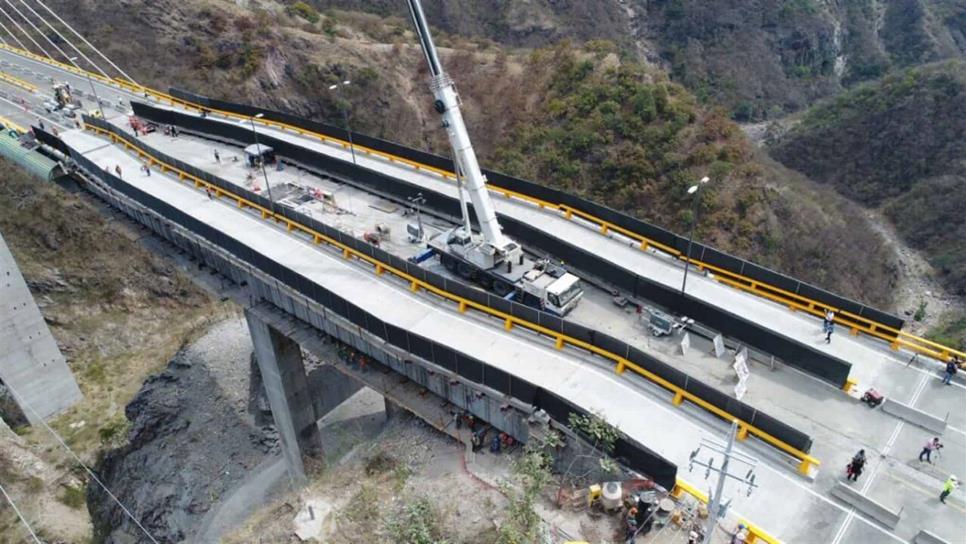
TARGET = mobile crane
(490,258)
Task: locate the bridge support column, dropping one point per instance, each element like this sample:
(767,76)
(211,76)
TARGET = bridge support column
(287,388)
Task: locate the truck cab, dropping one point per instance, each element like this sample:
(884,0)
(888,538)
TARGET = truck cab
(557,290)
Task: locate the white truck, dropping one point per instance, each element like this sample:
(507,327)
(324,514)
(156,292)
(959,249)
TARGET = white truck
(490,258)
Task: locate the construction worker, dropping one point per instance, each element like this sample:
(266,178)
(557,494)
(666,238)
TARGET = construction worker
(854,469)
(741,535)
(948,488)
(930,447)
(951,369)
(630,528)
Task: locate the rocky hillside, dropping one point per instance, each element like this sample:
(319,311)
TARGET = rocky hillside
(900,144)
(578,116)
(627,137)
(759,58)
(769,57)
(191,442)
(92,280)
(518,23)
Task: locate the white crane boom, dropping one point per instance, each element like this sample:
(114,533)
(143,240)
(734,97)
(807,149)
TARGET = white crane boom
(448,106)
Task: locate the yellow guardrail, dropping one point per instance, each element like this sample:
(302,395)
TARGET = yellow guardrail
(755,533)
(10,124)
(805,461)
(17,82)
(857,324)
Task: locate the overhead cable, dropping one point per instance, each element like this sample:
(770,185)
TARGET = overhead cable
(25,33)
(12,35)
(68,42)
(37,30)
(20,515)
(23,402)
(83,39)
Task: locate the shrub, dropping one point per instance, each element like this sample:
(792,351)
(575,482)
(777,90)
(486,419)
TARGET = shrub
(73,497)
(363,506)
(417,522)
(305,11)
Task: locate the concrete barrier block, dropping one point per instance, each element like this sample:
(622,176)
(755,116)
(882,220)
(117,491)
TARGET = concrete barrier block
(867,506)
(914,416)
(926,537)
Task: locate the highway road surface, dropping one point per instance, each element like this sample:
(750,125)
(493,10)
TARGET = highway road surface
(794,509)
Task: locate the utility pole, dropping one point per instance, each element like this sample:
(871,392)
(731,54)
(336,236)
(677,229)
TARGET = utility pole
(716,509)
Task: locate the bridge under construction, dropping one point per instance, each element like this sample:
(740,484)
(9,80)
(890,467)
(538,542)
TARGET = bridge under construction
(324,237)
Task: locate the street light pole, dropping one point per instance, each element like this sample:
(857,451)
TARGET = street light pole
(416,201)
(345,115)
(93,89)
(693,190)
(261,160)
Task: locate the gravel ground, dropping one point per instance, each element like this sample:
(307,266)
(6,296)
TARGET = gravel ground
(191,441)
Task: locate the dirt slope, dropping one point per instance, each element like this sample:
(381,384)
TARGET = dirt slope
(117,313)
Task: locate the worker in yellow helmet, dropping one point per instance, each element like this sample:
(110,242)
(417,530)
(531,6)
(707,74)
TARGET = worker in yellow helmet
(948,488)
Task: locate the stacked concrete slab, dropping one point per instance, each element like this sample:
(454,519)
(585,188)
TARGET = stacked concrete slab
(31,365)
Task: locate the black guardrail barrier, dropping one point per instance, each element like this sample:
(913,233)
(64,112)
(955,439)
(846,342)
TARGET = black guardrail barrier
(698,251)
(400,190)
(635,455)
(813,361)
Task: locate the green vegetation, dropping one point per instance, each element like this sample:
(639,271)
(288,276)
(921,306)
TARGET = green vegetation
(596,429)
(380,463)
(305,11)
(363,506)
(113,431)
(613,134)
(73,497)
(531,472)
(415,522)
(628,138)
(897,143)
(952,332)
(920,311)
(784,58)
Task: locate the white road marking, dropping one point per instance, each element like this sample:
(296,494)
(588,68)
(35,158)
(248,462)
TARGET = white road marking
(20,108)
(885,452)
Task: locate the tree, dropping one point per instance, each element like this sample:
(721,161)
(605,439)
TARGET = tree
(523,525)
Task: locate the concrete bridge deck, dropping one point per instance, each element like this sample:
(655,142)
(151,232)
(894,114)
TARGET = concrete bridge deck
(801,400)
(671,432)
(793,510)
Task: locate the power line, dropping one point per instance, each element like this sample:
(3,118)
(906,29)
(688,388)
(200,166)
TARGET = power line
(68,42)
(20,515)
(25,33)
(90,472)
(83,39)
(37,30)
(14,36)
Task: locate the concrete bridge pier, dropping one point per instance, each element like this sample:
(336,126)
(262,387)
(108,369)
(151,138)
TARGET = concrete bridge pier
(287,388)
